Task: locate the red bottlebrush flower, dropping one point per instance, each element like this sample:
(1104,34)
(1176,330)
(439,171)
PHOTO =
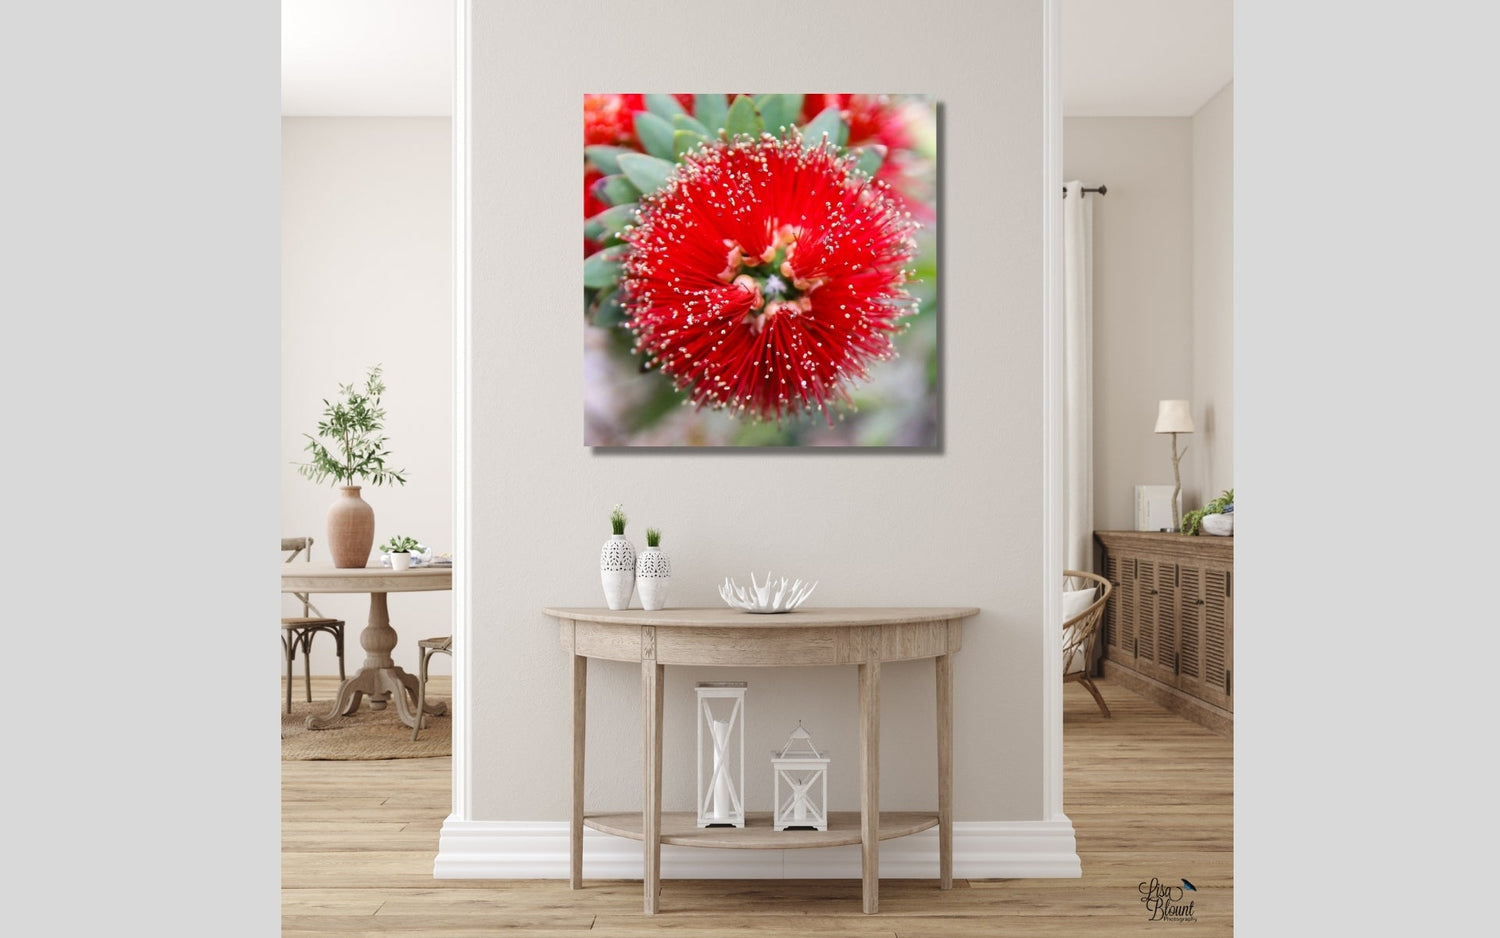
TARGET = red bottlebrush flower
(879,119)
(872,118)
(765,278)
(610,118)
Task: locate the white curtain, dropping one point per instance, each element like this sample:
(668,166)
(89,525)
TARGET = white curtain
(1078,397)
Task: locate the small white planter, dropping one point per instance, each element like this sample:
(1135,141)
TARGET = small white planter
(617,571)
(652,574)
(401,560)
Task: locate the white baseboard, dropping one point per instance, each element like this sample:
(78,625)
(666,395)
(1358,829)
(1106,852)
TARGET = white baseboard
(539,850)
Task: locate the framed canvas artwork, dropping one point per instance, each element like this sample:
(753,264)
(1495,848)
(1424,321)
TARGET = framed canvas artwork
(760,270)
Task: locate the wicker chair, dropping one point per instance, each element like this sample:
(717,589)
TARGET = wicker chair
(427,647)
(298,631)
(1081,631)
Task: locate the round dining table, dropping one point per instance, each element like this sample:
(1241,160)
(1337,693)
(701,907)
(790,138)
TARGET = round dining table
(378,677)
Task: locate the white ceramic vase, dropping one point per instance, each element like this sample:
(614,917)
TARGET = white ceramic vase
(617,571)
(652,574)
(401,560)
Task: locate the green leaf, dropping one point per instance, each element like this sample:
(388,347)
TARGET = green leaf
(827,122)
(769,106)
(602,268)
(685,140)
(791,108)
(779,110)
(608,312)
(593,228)
(617,190)
(647,172)
(688,122)
(613,220)
(605,158)
(711,111)
(655,134)
(664,106)
(870,158)
(743,118)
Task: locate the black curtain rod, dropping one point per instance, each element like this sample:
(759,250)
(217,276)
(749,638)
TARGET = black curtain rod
(1102,190)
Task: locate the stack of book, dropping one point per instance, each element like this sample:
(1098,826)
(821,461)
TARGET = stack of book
(1153,507)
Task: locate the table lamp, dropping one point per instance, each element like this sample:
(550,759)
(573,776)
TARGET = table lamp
(1175,417)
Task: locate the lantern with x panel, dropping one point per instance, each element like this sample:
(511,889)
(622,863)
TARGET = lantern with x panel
(721,779)
(804,770)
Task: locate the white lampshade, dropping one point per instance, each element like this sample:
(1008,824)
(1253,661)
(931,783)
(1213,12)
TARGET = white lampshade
(1174,417)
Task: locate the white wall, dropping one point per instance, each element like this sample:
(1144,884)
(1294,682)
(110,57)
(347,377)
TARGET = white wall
(960,526)
(1213,294)
(1143,298)
(366,277)
(1163,298)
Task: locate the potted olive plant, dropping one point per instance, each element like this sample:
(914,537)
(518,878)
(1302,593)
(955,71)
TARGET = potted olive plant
(355,452)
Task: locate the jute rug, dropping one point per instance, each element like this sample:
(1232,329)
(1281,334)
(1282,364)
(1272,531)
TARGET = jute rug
(365,734)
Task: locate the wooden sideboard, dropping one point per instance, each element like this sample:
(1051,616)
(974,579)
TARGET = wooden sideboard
(1169,625)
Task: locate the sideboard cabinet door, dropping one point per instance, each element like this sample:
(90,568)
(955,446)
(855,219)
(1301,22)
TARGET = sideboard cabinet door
(1203,613)
(1169,624)
(1147,596)
(1119,612)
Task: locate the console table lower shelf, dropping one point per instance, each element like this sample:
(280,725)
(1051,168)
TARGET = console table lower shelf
(681,828)
(862,637)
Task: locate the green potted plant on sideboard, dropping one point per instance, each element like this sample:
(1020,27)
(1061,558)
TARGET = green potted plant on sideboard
(1192,522)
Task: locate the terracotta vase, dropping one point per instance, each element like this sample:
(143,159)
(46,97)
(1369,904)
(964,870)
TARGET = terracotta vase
(351,528)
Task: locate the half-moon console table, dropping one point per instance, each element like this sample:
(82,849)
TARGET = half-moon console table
(864,637)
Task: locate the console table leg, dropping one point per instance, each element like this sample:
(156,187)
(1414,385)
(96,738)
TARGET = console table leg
(945,770)
(869,773)
(651,703)
(580,708)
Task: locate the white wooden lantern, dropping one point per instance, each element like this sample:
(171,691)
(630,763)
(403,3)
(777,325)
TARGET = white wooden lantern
(721,763)
(801,785)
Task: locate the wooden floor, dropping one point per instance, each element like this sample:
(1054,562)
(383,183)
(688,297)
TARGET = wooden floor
(1150,796)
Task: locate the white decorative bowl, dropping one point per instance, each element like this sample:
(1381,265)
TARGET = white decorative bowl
(778,596)
(1221,525)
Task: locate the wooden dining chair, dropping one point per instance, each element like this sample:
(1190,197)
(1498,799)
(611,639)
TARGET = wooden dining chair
(427,647)
(298,631)
(1084,596)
